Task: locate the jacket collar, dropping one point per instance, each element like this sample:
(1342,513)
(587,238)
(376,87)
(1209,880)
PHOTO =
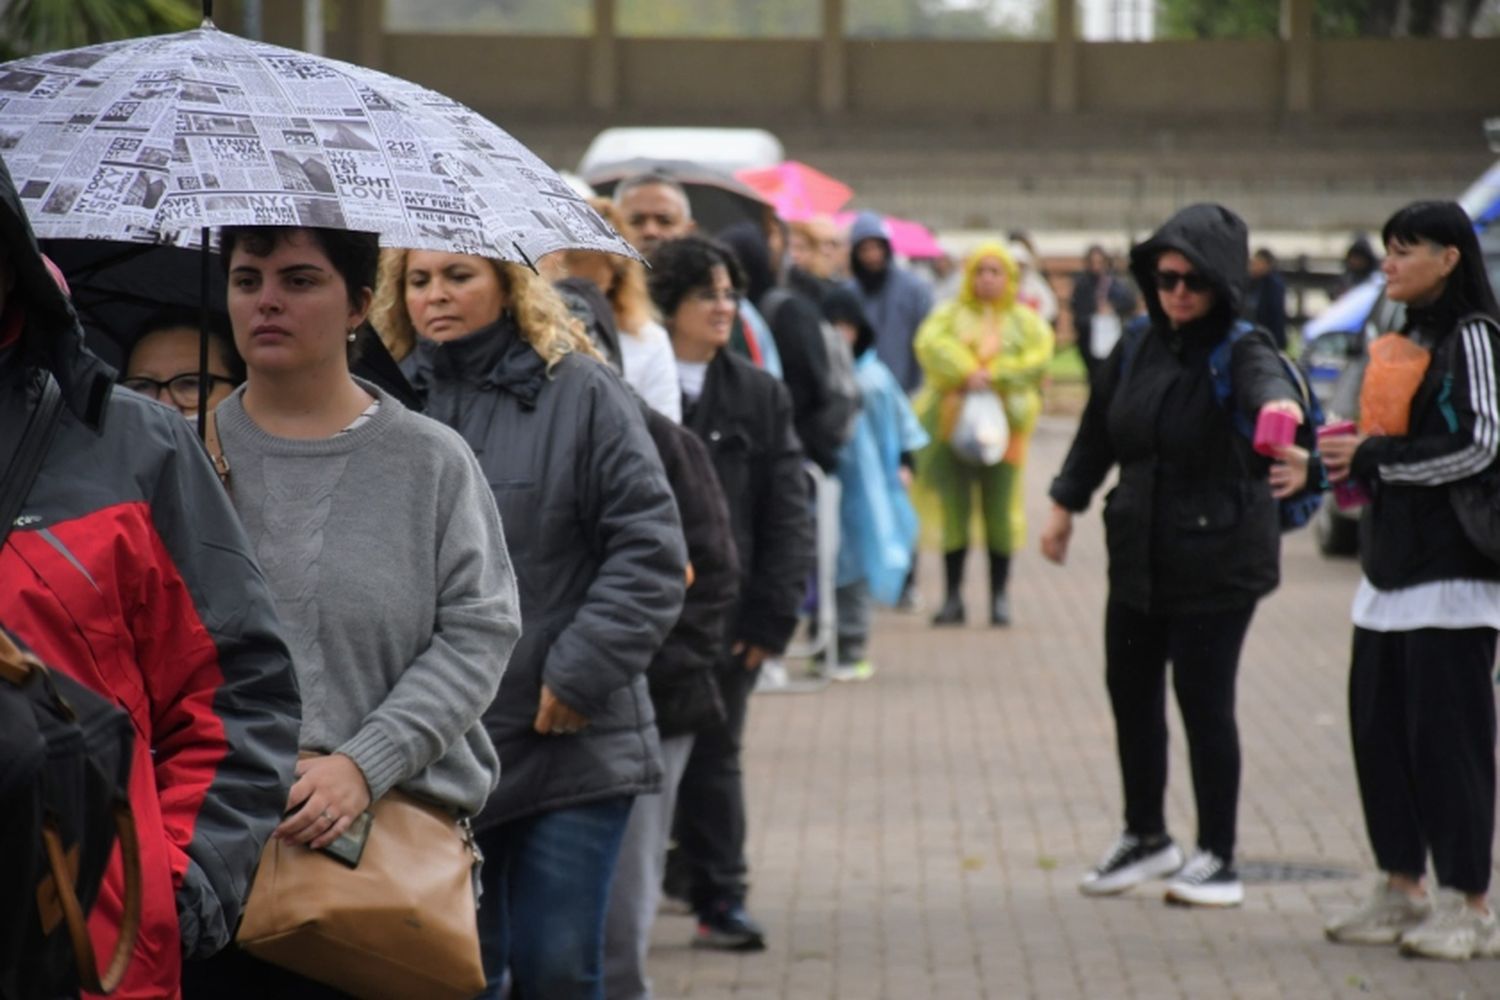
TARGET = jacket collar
(492,357)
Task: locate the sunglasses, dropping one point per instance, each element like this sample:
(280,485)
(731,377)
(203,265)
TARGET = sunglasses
(1167,281)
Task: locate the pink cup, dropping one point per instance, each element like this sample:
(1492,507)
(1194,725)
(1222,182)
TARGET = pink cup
(1272,430)
(1349,494)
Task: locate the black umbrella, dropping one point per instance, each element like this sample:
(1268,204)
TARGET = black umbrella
(717,199)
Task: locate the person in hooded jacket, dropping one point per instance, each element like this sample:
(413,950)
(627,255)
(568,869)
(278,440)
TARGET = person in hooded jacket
(745,418)
(895,299)
(1426,615)
(128,570)
(982,341)
(598,553)
(795,326)
(877,523)
(1193,535)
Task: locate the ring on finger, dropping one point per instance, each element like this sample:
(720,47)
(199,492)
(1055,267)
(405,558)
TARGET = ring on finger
(329,816)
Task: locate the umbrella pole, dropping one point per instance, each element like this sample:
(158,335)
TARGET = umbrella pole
(203,293)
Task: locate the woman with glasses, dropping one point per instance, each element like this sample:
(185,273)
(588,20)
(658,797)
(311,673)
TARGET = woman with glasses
(745,418)
(163,365)
(1193,537)
(601,562)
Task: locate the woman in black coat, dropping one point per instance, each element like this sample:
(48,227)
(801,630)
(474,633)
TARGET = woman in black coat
(745,418)
(1421,696)
(1193,534)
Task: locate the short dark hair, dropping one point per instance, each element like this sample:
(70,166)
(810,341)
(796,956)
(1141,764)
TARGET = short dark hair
(354,255)
(1446,224)
(1265,254)
(681,265)
(659,177)
(176,317)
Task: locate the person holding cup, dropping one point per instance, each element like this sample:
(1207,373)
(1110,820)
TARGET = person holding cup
(1426,615)
(1193,532)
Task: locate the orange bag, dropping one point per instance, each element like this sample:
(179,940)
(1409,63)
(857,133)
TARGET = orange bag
(1391,379)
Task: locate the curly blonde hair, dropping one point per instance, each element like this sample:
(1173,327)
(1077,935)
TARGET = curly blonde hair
(627,295)
(541,315)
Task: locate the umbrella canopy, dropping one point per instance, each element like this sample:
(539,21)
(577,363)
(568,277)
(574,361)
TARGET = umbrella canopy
(716,198)
(796,190)
(151,140)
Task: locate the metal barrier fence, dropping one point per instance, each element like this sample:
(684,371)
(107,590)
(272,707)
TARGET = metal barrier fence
(820,648)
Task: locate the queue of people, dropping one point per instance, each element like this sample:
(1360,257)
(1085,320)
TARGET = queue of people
(615,535)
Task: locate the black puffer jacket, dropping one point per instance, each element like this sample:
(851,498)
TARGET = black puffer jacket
(597,546)
(683,687)
(745,418)
(1192,525)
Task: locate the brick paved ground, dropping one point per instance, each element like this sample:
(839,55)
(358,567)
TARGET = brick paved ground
(921,835)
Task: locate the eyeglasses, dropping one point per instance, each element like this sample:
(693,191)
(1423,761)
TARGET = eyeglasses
(709,296)
(186,390)
(1167,281)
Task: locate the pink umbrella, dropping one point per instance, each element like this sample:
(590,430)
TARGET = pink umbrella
(796,190)
(911,240)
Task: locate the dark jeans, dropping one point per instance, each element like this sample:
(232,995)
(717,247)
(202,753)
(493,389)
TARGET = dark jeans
(1204,650)
(1422,718)
(709,862)
(546,887)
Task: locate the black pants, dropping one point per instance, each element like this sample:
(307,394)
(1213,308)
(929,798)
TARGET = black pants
(1204,650)
(709,861)
(1422,716)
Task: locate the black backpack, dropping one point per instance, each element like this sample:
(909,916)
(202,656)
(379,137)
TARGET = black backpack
(64,796)
(841,400)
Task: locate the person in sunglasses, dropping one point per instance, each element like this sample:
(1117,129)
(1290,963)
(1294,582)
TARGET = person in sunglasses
(1193,535)
(163,364)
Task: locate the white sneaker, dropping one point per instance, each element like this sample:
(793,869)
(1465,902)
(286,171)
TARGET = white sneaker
(773,676)
(1130,862)
(1384,917)
(1206,880)
(1453,931)
(863,670)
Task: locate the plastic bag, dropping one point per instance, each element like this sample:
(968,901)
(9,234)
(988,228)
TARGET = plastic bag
(982,433)
(1396,368)
(1105,330)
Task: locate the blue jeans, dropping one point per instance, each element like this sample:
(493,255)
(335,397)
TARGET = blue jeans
(546,887)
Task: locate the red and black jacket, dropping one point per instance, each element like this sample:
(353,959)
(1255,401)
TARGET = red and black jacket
(128,570)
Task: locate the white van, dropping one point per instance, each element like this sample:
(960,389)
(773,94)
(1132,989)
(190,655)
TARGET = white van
(724,149)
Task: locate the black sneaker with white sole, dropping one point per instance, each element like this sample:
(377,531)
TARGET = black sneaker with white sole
(1131,861)
(1206,880)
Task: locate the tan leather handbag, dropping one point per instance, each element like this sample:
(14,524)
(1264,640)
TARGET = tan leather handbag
(400,924)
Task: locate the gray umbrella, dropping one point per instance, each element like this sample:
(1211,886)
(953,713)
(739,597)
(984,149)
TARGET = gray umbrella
(153,140)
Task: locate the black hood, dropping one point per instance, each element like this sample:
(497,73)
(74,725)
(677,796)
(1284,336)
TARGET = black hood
(1218,244)
(590,307)
(749,246)
(52,337)
(841,305)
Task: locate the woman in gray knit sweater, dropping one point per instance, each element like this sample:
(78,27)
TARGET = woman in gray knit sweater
(382,544)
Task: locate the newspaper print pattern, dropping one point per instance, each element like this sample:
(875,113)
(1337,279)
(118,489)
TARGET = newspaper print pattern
(148,140)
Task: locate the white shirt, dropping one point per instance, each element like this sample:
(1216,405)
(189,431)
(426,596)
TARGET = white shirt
(692,374)
(1450,604)
(651,369)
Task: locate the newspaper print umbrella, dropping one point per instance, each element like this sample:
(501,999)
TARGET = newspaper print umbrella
(152,140)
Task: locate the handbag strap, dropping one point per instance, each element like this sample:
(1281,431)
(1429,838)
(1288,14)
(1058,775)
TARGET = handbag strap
(83,946)
(21,475)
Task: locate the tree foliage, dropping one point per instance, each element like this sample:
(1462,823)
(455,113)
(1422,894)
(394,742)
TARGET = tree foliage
(28,26)
(1333,18)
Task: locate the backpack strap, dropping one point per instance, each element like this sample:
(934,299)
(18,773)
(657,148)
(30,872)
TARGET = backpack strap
(26,463)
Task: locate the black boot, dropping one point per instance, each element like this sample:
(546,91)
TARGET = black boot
(999,577)
(952,611)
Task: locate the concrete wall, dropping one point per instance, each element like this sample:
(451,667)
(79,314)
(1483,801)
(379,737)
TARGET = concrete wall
(951,80)
(947,79)
(1168,77)
(1407,75)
